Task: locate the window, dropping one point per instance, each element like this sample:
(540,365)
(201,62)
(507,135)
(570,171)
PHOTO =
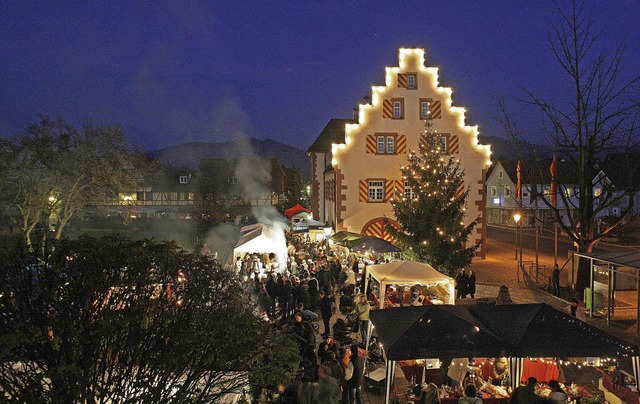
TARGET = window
(494,191)
(411,82)
(425,108)
(525,194)
(232,180)
(381,144)
(376,191)
(501,174)
(442,142)
(184,179)
(597,192)
(190,196)
(386,144)
(408,191)
(139,196)
(391,145)
(398,109)
(567,191)
(507,190)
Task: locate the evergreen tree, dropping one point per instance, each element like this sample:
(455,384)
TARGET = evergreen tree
(432,210)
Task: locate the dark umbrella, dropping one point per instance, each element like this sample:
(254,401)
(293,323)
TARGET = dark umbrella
(374,244)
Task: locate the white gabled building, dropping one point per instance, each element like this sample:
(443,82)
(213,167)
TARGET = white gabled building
(356,162)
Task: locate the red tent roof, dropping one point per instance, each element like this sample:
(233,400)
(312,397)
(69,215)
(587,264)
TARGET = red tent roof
(295,210)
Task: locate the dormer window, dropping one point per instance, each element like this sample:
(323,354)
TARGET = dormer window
(184,179)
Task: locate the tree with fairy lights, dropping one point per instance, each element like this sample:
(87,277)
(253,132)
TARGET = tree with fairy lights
(433,206)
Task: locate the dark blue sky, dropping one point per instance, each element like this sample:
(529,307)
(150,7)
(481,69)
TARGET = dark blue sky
(170,71)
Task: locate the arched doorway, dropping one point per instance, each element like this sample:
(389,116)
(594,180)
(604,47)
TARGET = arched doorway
(376,227)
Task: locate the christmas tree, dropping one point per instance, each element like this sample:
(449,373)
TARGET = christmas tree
(432,208)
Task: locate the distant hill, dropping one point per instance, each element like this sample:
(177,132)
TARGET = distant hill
(504,149)
(191,154)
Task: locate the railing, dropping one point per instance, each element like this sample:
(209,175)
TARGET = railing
(540,276)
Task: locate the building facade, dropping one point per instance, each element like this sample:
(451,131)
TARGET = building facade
(355,163)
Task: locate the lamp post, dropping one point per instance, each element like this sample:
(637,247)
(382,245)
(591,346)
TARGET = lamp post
(516,218)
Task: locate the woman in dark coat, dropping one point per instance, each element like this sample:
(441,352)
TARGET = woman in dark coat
(472,283)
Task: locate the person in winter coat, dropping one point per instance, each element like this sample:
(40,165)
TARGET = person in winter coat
(357,379)
(462,284)
(286,296)
(328,390)
(272,290)
(264,301)
(309,367)
(326,311)
(471,285)
(313,292)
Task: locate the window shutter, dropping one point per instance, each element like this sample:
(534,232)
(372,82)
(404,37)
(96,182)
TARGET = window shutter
(453,145)
(435,110)
(402,80)
(401,146)
(387,109)
(399,190)
(460,190)
(364,191)
(372,145)
(389,190)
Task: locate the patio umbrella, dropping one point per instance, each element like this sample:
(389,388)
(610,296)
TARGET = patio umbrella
(373,244)
(346,238)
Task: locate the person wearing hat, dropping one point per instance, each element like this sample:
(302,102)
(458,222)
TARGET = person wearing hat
(328,345)
(576,310)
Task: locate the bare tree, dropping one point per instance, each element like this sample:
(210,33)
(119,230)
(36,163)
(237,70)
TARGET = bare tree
(599,115)
(54,172)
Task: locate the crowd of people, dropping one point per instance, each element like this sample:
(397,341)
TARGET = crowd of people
(307,299)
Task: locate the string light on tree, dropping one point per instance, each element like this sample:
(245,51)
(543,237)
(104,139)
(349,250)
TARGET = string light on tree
(433,221)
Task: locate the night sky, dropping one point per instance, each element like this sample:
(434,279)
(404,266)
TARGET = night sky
(170,72)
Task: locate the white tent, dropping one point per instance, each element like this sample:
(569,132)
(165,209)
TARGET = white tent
(409,273)
(263,239)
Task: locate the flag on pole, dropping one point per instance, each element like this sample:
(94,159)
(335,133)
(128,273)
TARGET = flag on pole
(519,185)
(553,199)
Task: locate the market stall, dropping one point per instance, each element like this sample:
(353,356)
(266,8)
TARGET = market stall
(263,239)
(433,285)
(515,332)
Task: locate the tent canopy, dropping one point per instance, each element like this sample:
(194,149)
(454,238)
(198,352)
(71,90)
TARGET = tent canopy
(542,330)
(263,239)
(436,331)
(305,225)
(409,273)
(515,330)
(289,213)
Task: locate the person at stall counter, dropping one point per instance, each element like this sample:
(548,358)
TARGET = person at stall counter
(557,396)
(576,310)
(526,394)
(470,395)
